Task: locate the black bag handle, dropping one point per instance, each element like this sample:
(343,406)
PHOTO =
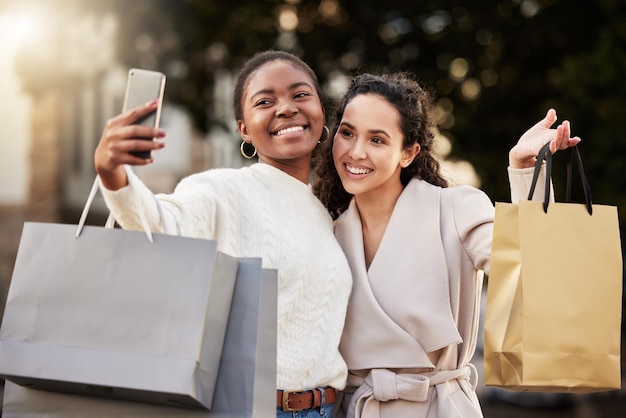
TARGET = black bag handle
(544,154)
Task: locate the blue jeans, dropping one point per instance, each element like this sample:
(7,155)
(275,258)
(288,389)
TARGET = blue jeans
(322,412)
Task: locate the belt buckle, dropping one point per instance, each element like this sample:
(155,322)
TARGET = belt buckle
(285,402)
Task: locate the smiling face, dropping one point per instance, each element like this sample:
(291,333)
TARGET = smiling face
(368,147)
(283,115)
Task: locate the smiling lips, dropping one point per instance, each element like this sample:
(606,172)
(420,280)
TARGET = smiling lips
(289,130)
(354,170)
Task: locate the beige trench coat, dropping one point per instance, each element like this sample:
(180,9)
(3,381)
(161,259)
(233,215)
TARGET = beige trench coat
(413,317)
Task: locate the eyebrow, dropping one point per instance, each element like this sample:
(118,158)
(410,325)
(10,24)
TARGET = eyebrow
(371,131)
(290,87)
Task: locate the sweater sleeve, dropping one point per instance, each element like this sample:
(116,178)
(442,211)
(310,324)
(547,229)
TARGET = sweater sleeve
(125,204)
(189,211)
(520,180)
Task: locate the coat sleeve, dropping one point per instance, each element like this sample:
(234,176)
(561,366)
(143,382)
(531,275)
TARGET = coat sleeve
(473,214)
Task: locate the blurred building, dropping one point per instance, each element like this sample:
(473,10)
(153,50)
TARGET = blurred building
(60,81)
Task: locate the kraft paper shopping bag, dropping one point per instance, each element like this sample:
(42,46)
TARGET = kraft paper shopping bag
(554,298)
(117,314)
(246,383)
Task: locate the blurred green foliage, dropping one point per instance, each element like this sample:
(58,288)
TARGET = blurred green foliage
(528,55)
(518,57)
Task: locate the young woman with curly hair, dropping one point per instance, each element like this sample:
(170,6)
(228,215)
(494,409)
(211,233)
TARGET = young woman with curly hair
(416,248)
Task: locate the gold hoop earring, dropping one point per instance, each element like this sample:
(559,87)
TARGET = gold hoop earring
(243,151)
(325,135)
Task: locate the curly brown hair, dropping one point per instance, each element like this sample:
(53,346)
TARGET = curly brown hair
(414,103)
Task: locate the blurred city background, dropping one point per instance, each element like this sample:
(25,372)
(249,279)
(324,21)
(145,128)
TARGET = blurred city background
(496,65)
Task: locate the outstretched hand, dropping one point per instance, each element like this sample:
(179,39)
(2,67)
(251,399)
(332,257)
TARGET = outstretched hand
(120,137)
(523,154)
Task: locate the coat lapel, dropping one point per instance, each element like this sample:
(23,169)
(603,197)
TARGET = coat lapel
(408,278)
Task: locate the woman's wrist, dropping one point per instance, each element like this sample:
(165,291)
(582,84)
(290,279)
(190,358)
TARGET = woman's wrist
(525,162)
(115,179)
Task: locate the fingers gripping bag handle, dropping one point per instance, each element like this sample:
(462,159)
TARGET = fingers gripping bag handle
(544,154)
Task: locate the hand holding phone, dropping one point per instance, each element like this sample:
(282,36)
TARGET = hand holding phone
(142,87)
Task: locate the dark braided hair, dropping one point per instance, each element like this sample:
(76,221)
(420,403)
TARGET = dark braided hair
(415,105)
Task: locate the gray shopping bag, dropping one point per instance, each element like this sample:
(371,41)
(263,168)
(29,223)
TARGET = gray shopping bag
(246,383)
(247,378)
(112,314)
(117,314)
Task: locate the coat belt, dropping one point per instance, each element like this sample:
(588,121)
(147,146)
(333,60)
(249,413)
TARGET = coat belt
(382,385)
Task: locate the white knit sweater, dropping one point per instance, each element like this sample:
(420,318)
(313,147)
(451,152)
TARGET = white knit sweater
(260,211)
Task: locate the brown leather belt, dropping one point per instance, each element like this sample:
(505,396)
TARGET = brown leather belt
(290,400)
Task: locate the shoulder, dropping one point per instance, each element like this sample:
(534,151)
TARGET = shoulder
(213,178)
(452,194)
(467,205)
(460,193)
(216,174)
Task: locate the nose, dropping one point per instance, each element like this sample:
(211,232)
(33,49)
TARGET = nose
(357,150)
(286,108)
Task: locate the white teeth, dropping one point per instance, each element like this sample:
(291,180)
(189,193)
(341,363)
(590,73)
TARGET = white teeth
(289,130)
(355,170)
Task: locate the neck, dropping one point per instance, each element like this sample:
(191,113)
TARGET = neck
(299,169)
(377,207)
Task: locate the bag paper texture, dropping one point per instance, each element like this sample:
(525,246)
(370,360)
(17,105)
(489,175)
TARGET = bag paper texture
(113,315)
(246,382)
(554,299)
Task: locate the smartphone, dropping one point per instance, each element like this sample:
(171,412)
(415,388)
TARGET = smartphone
(142,87)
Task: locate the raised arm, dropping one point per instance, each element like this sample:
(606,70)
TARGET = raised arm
(119,138)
